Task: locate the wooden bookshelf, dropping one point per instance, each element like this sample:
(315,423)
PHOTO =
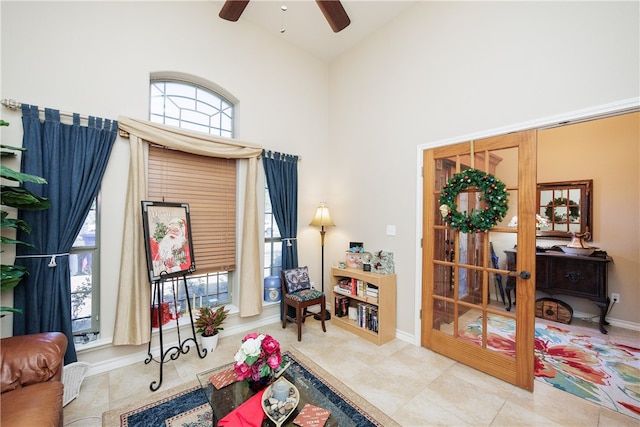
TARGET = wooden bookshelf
(384,306)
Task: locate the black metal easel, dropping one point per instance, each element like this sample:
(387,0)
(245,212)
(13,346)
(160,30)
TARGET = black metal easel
(181,348)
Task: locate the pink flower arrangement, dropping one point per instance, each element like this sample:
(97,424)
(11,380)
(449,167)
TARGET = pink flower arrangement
(259,356)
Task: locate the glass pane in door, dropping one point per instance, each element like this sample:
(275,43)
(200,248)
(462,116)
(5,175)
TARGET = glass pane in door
(471,281)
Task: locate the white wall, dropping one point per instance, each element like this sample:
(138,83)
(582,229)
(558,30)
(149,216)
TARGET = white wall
(447,69)
(438,71)
(96,57)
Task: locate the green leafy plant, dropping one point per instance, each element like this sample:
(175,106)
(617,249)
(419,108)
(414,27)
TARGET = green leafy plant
(209,321)
(17,197)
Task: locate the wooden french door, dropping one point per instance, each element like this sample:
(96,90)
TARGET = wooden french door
(464,316)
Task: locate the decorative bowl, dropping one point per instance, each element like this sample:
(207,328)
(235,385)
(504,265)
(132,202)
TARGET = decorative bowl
(278,411)
(578,251)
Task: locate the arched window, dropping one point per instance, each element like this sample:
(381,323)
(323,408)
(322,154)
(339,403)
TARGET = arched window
(190,106)
(207,184)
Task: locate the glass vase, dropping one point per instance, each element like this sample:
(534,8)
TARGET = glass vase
(260,384)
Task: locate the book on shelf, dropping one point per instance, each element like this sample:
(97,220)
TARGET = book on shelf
(371,293)
(343,286)
(345,282)
(372,290)
(341,306)
(360,288)
(366,297)
(367,316)
(340,290)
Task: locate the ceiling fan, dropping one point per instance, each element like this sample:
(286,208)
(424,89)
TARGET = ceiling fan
(332,10)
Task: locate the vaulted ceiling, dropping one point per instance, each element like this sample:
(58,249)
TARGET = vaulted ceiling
(306,27)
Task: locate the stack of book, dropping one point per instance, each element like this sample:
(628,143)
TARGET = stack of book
(342,306)
(352,286)
(343,286)
(367,316)
(371,293)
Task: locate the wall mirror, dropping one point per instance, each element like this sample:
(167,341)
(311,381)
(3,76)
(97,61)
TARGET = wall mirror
(567,208)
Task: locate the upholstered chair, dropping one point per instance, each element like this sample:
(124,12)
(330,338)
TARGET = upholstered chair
(298,294)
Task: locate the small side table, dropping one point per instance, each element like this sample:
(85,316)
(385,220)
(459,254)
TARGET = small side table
(564,274)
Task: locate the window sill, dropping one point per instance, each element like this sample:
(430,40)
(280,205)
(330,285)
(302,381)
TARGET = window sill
(101,343)
(93,345)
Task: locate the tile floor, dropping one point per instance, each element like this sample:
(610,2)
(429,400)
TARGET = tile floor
(413,385)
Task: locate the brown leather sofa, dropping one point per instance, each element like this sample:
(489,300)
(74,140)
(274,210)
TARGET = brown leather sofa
(31,379)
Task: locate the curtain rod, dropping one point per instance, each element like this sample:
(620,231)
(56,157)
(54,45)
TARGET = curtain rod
(12,104)
(270,153)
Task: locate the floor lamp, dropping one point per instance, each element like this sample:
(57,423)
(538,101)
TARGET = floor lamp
(322,219)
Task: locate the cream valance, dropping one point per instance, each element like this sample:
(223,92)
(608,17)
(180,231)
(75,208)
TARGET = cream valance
(189,141)
(132,325)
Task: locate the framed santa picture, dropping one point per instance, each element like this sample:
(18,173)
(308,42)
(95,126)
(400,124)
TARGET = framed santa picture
(167,236)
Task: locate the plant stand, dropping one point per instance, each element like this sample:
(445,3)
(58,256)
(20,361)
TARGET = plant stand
(175,351)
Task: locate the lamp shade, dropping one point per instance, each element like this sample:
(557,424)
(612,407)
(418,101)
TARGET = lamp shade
(322,218)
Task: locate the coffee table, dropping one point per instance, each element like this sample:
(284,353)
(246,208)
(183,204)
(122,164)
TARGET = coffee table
(312,390)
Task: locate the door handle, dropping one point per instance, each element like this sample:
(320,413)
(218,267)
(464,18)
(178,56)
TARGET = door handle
(524,274)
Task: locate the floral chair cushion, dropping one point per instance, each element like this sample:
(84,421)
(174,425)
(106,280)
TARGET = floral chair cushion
(304,295)
(297,279)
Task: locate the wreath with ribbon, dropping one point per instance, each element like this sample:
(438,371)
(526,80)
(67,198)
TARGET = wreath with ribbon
(494,193)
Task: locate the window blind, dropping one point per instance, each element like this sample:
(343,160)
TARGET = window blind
(208,185)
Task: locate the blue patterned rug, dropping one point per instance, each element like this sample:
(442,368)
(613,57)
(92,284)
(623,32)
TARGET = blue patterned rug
(189,408)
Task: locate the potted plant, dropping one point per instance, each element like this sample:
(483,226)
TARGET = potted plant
(21,199)
(208,324)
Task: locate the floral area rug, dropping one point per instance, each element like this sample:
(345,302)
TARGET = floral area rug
(591,367)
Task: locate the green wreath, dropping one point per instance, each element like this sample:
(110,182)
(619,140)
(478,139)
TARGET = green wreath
(574,210)
(493,193)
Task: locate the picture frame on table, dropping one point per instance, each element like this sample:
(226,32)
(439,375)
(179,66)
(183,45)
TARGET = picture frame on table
(167,236)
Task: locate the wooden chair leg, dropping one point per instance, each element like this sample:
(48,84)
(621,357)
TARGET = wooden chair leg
(299,319)
(323,312)
(284,316)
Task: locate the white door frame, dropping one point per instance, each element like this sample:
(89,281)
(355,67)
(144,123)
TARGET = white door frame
(592,113)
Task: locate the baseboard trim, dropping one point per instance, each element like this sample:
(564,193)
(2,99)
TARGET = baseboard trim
(403,336)
(595,319)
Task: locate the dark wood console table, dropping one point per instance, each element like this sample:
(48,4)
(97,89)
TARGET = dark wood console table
(575,275)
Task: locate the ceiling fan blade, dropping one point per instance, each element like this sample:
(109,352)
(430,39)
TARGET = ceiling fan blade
(335,14)
(232,9)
